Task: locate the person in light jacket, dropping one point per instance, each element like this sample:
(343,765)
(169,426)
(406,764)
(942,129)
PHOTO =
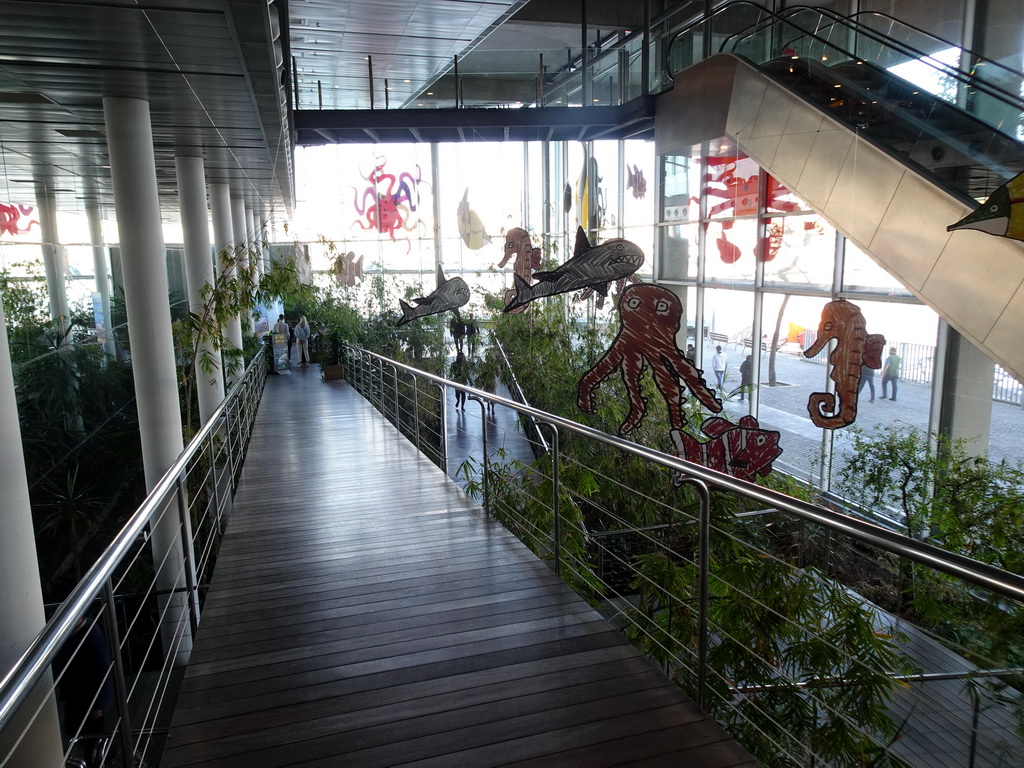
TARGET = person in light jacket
(302,336)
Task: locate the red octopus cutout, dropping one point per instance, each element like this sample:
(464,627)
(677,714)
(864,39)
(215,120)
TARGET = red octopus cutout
(650,319)
(389,202)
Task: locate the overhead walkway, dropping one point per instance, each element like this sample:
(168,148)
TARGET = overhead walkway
(365,612)
(887,164)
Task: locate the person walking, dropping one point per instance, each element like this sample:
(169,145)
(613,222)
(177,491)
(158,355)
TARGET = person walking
(460,375)
(281,326)
(471,334)
(458,329)
(867,377)
(719,362)
(891,372)
(302,336)
(744,379)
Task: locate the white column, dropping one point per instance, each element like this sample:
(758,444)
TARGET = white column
(21,596)
(53,254)
(136,200)
(99,270)
(240,225)
(195,227)
(254,237)
(220,210)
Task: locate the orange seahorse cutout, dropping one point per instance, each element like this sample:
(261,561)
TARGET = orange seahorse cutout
(842,320)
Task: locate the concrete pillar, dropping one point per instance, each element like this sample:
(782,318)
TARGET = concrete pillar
(966,397)
(99,270)
(21,596)
(136,200)
(220,210)
(195,227)
(53,255)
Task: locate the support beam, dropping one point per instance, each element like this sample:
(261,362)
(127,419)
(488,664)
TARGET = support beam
(100,270)
(220,210)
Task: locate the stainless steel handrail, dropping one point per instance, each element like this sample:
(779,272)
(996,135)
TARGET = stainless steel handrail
(1001,582)
(22,678)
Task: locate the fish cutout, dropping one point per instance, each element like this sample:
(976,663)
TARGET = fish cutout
(589,204)
(449,295)
(635,180)
(1002,214)
(348,269)
(591,266)
(742,450)
(471,227)
(567,198)
(528,258)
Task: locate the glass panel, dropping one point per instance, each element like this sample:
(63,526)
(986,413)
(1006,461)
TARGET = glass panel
(800,251)
(728,319)
(678,251)
(862,274)
(788,378)
(731,250)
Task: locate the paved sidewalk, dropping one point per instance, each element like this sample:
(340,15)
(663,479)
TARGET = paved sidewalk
(784,408)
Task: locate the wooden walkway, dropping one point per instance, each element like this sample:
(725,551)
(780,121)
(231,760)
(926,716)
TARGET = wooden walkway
(365,612)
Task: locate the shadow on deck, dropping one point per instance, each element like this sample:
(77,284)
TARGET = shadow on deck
(365,612)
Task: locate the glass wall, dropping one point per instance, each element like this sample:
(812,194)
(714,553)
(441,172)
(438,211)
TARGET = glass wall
(764,267)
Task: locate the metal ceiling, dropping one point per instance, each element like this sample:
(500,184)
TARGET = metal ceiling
(219,80)
(207,67)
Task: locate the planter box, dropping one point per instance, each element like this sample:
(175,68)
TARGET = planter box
(333,372)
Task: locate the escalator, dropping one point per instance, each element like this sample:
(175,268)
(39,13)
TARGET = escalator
(811,96)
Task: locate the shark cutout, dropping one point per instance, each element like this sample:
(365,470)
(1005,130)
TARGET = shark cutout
(591,266)
(449,295)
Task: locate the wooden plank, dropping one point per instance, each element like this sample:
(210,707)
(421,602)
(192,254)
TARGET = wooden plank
(366,612)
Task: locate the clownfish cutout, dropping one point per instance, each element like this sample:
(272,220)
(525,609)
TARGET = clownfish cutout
(1002,214)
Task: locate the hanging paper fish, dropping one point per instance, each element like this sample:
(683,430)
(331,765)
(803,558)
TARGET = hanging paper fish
(471,227)
(635,180)
(348,269)
(450,295)
(1002,214)
(567,198)
(591,266)
(588,196)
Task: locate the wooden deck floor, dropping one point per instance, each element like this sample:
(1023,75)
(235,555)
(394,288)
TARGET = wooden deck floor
(365,612)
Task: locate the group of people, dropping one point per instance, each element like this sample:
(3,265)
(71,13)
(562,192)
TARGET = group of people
(481,373)
(464,329)
(299,332)
(890,375)
(719,364)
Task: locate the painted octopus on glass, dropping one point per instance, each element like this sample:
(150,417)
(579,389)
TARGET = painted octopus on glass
(389,201)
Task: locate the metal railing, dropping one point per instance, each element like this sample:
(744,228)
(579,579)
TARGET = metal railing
(112,654)
(803,630)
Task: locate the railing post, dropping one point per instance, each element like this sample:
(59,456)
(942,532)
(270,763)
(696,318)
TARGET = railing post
(703,567)
(483,433)
(394,371)
(416,408)
(556,512)
(214,478)
(443,429)
(120,687)
(190,556)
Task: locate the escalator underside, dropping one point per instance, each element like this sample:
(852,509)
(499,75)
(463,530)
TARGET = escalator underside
(895,204)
